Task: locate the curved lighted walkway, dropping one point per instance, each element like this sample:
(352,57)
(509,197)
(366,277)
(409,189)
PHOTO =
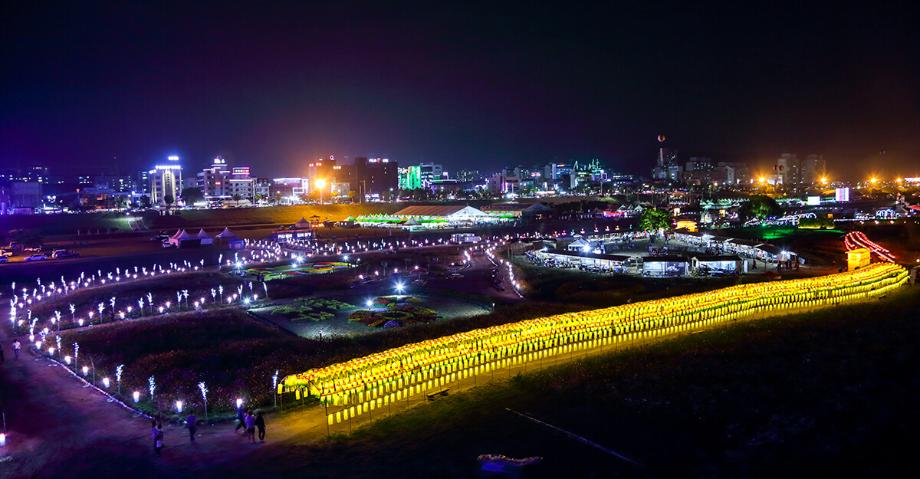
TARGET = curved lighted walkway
(377,383)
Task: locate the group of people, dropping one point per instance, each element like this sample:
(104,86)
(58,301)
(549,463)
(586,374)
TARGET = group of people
(246,420)
(249,423)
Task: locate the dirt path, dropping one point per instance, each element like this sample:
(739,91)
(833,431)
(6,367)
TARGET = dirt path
(58,427)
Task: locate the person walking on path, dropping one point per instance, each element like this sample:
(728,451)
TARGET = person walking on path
(250,426)
(16,347)
(155,436)
(240,420)
(158,438)
(191,422)
(260,425)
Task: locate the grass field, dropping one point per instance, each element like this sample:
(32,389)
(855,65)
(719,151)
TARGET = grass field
(236,354)
(822,394)
(68,224)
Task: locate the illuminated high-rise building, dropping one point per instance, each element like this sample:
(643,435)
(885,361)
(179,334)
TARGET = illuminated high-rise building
(166,182)
(410,178)
(214,180)
(813,168)
(788,170)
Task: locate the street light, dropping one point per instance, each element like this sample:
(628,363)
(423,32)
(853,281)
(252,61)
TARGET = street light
(320,184)
(400,287)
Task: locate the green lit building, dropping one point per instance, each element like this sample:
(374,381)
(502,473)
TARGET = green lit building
(410,178)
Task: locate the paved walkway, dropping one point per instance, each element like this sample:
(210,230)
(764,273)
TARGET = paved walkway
(57,427)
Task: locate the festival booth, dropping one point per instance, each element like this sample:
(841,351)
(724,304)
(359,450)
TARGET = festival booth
(741,247)
(299,231)
(182,239)
(581,260)
(664,266)
(229,240)
(206,239)
(583,245)
(773,253)
(723,263)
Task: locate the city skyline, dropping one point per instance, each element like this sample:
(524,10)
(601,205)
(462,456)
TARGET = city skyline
(450,85)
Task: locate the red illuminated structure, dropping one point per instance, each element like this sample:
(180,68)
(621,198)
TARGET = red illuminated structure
(858,239)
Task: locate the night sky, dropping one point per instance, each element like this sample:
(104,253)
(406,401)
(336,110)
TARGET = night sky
(469,85)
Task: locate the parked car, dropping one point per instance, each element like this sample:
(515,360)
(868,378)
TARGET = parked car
(4,259)
(63,253)
(5,253)
(14,247)
(36,257)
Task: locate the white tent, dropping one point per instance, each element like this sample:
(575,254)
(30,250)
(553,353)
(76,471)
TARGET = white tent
(302,223)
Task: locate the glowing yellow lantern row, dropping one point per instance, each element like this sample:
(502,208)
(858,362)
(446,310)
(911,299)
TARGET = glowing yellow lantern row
(383,374)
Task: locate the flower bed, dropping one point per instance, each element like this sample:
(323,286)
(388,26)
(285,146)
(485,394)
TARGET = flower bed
(400,311)
(311,309)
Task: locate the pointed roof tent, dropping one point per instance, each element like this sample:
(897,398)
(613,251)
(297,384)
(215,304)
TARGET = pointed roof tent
(184,236)
(302,223)
(177,235)
(538,208)
(202,234)
(227,234)
(439,210)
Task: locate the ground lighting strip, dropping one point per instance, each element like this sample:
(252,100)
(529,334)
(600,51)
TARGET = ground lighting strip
(360,385)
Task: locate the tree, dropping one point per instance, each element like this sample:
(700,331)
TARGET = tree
(654,219)
(192,195)
(759,206)
(168,200)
